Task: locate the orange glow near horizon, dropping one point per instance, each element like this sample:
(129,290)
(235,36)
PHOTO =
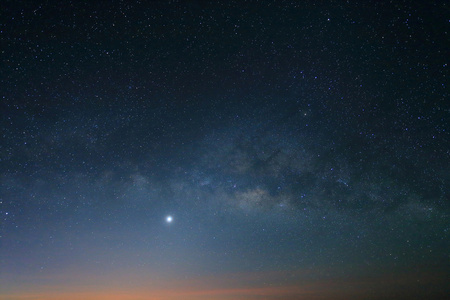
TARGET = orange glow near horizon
(232,286)
(252,293)
(236,286)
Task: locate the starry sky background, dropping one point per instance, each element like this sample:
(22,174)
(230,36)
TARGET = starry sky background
(302,149)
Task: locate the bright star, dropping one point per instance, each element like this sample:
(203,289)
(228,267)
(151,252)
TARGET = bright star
(169,219)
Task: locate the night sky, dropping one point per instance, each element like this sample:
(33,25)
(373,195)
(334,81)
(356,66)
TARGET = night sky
(224,150)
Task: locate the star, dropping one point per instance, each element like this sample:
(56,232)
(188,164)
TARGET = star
(169,219)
